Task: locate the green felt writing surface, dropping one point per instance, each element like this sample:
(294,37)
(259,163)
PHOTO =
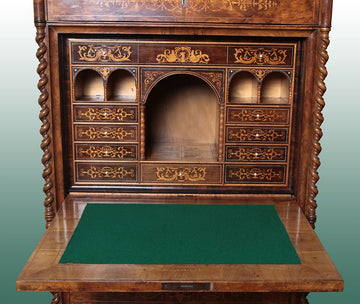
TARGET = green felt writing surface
(180,234)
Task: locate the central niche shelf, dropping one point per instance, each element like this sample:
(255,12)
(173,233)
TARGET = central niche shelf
(243,88)
(182,120)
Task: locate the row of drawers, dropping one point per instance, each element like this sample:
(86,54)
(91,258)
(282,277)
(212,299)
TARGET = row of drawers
(165,173)
(117,52)
(129,114)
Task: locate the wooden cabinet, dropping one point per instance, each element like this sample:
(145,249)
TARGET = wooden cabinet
(216,101)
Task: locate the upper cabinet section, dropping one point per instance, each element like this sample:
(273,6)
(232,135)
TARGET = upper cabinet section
(294,12)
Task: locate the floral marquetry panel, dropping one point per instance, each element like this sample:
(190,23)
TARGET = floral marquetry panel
(261,174)
(106,152)
(272,55)
(119,133)
(241,11)
(106,172)
(178,174)
(256,134)
(103,52)
(256,153)
(256,115)
(106,114)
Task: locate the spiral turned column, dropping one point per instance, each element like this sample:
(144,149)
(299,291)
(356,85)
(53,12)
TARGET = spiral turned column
(318,118)
(45,119)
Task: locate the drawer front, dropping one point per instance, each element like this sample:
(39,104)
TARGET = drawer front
(105,113)
(261,55)
(255,134)
(122,133)
(106,152)
(256,153)
(116,52)
(256,115)
(182,54)
(181,174)
(106,172)
(261,174)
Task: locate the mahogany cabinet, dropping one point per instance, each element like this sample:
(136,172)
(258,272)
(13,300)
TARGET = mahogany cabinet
(181,101)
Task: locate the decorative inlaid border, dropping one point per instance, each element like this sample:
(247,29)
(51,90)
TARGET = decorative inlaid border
(171,174)
(260,56)
(104,53)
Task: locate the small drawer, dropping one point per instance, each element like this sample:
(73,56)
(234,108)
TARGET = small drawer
(181,174)
(116,52)
(256,134)
(106,152)
(182,54)
(262,55)
(118,133)
(105,113)
(258,115)
(250,174)
(106,172)
(256,153)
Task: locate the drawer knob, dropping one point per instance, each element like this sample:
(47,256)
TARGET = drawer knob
(257,135)
(255,174)
(256,154)
(105,132)
(257,115)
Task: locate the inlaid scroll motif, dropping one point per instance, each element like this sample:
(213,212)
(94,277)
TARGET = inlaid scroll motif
(260,74)
(215,77)
(231,5)
(256,154)
(150,77)
(260,56)
(162,5)
(256,174)
(108,172)
(258,115)
(183,54)
(104,53)
(180,174)
(109,133)
(256,135)
(104,72)
(114,152)
(111,114)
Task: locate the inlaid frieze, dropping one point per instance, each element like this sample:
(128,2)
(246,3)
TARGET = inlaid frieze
(261,56)
(171,174)
(255,153)
(106,151)
(259,174)
(93,52)
(111,114)
(256,115)
(106,172)
(242,134)
(106,133)
(183,54)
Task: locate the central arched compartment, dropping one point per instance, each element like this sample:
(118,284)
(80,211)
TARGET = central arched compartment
(182,120)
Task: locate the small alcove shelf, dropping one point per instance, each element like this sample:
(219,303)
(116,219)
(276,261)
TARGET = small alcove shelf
(275,89)
(121,86)
(182,120)
(89,86)
(243,88)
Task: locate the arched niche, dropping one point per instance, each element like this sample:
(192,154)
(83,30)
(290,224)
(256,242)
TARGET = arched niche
(121,86)
(243,88)
(89,86)
(182,120)
(275,89)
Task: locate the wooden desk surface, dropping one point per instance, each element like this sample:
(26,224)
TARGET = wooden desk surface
(44,273)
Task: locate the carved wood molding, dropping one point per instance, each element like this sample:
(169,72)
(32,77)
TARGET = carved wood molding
(318,118)
(46,123)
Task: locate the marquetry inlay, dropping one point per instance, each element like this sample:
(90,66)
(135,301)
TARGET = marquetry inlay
(256,174)
(108,172)
(256,154)
(113,114)
(104,53)
(256,135)
(260,74)
(182,54)
(258,115)
(194,174)
(260,56)
(107,151)
(107,133)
